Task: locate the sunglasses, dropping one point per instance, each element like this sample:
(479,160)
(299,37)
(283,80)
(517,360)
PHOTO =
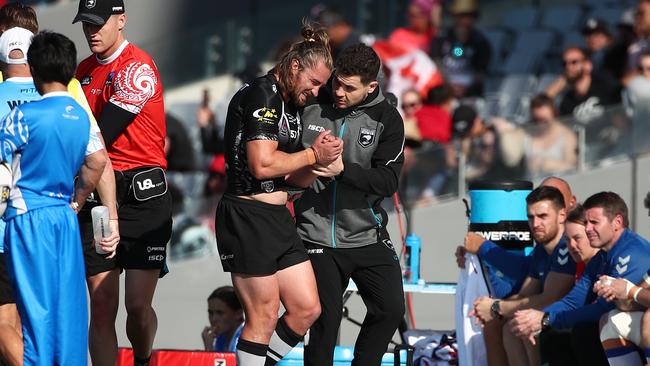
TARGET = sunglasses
(572,62)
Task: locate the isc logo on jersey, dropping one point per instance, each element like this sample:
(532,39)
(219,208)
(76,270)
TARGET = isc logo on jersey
(266,115)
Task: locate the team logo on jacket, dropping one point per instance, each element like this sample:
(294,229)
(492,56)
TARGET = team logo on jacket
(90,4)
(267,186)
(621,265)
(366,137)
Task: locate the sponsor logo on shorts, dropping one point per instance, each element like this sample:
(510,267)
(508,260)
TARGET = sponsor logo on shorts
(156,258)
(315,251)
(147,184)
(155,249)
(266,115)
(225,257)
(388,244)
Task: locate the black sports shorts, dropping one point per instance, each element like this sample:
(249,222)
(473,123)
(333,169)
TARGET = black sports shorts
(6,290)
(256,238)
(145,229)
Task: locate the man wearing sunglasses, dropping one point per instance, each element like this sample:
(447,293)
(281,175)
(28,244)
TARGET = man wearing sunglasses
(588,92)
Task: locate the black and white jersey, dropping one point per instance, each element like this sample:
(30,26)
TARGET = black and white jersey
(258,112)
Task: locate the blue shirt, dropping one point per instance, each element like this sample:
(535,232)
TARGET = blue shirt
(558,261)
(221,343)
(46,141)
(506,268)
(14,92)
(629,258)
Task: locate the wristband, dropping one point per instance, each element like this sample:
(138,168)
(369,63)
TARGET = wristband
(636,293)
(311,156)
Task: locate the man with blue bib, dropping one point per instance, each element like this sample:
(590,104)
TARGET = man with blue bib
(48,142)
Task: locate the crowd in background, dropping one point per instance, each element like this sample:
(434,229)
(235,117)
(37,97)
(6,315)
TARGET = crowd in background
(439,67)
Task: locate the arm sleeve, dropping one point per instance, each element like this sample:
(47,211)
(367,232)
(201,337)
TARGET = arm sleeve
(134,85)
(383,175)
(94,143)
(14,134)
(113,121)
(262,113)
(511,264)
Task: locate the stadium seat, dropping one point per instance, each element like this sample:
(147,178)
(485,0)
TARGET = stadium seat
(544,81)
(535,42)
(520,62)
(497,39)
(612,15)
(561,18)
(521,18)
(573,38)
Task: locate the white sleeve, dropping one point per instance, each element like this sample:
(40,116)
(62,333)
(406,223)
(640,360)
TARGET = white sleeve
(94,143)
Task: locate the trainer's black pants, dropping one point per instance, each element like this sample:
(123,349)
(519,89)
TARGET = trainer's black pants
(375,270)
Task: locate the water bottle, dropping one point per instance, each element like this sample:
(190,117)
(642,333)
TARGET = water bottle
(101,229)
(413,244)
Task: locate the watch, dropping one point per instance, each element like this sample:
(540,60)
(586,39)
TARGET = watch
(496,308)
(546,321)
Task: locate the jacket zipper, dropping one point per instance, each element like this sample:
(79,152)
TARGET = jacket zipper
(341,133)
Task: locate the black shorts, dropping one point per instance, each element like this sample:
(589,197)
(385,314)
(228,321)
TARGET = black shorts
(256,238)
(6,290)
(145,230)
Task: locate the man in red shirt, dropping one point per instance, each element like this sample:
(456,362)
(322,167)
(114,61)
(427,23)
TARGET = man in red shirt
(123,88)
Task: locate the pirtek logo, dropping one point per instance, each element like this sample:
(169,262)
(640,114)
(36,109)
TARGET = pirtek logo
(505,235)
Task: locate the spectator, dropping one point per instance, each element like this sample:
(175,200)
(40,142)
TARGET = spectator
(549,146)
(340,32)
(642,41)
(410,104)
(638,89)
(226,321)
(434,118)
(616,58)
(211,137)
(463,51)
(598,39)
(588,92)
(481,145)
(420,28)
(178,146)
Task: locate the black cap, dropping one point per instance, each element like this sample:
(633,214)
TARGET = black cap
(463,120)
(595,25)
(98,11)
